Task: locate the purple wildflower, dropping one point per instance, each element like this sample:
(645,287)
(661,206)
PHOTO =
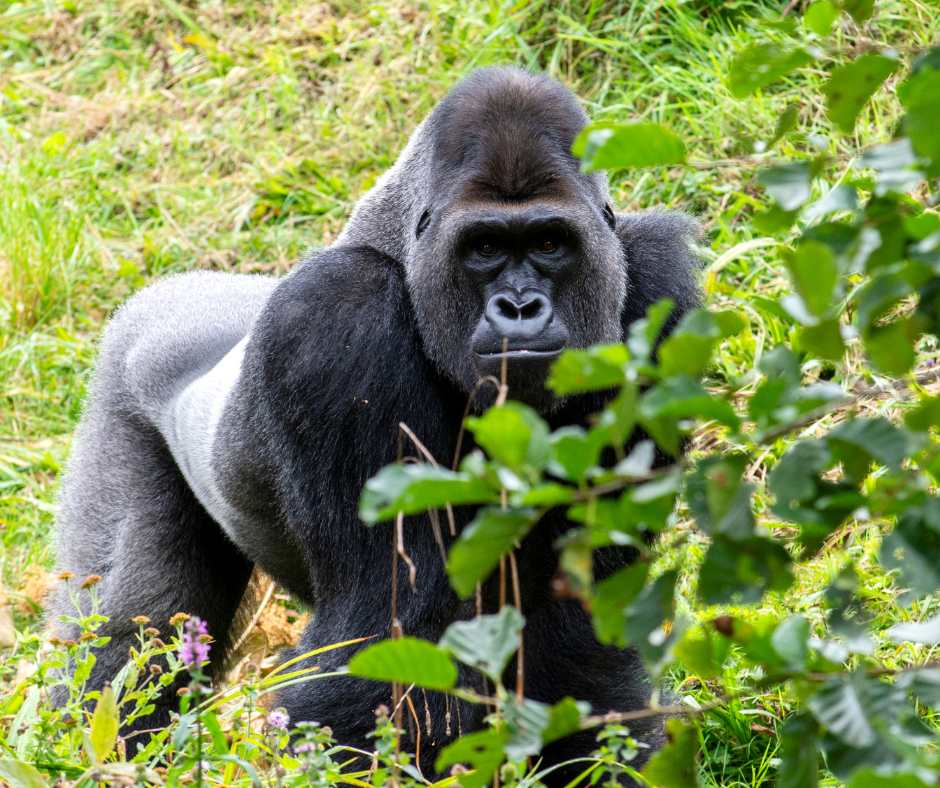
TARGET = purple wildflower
(194,649)
(278,719)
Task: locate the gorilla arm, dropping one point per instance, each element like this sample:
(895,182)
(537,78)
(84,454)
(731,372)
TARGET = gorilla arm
(332,365)
(659,247)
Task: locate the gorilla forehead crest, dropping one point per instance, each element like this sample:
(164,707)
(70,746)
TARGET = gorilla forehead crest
(506,135)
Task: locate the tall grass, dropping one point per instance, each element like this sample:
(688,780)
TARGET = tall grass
(45,253)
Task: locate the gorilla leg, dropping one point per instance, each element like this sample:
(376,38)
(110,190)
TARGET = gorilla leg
(128,515)
(563,658)
(347,704)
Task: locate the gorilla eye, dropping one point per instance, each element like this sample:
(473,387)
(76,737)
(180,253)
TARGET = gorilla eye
(487,246)
(548,245)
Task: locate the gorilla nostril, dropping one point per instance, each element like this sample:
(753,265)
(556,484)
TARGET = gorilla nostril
(507,308)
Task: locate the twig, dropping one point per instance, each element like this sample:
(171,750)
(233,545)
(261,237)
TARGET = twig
(466,412)
(402,427)
(438,536)
(504,374)
(400,547)
(653,711)
(517,595)
(418,444)
(414,714)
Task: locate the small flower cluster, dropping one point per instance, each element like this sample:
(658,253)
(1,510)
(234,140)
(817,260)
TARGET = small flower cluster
(194,648)
(278,719)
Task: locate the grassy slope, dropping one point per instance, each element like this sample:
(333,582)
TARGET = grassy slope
(145,137)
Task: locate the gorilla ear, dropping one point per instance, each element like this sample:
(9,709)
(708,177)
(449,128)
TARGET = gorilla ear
(423,223)
(609,217)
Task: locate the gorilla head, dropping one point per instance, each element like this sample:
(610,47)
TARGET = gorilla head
(508,243)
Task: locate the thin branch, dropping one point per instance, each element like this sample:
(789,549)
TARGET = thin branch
(466,412)
(400,548)
(417,442)
(517,596)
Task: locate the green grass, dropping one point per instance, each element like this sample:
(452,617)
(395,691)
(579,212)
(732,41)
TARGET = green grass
(145,137)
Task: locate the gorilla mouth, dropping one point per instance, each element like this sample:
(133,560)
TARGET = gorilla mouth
(533,355)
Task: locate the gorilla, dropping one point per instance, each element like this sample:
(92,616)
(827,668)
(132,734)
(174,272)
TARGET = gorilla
(234,419)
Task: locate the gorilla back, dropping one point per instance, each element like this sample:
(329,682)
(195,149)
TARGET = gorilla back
(233,420)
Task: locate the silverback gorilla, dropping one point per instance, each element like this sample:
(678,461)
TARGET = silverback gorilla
(233,420)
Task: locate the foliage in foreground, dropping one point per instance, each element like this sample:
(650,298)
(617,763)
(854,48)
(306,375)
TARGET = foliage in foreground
(866,275)
(863,275)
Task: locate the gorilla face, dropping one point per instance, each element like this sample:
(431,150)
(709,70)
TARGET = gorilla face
(521,283)
(516,247)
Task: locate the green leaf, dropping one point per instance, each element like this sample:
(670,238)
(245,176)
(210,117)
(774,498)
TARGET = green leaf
(824,340)
(879,296)
(820,16)
(788,184)
(482,751)
(407,660)
(594,369)
(841,198)
(486,642)
(416,488)
(859,10)
(838,708)
(885,778)
(920,95)
(815,275)
(719,498)
(741,570)
(774,220)
(877,437)
(891,346)
(612,597)
(925,415)
(787,121)
(564,719)
(895,163)
(685,354)
(688,350)
(215,731)
(476,552)
(609,146)
(799,752)
(526,722)
(791,642)
(104,724)
(703,656)
(913,547)
(917,631)
(683,397)
(646,332)
(762,64)
(852,84)
(674,765)
(575,450)
(648,613)
(513,434)
(20,774)
(923,683)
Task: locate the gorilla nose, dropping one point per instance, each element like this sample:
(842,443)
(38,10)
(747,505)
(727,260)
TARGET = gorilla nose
(519,316)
